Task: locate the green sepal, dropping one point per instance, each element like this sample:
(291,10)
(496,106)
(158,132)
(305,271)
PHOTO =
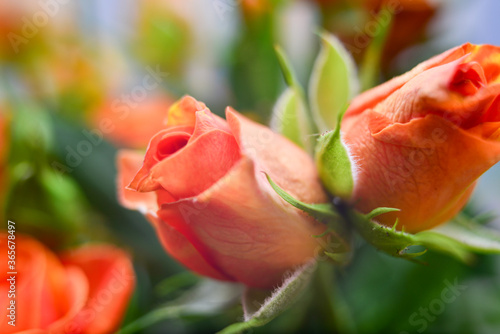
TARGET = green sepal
(333,163)
(333,82)
(386,239)
(322,212)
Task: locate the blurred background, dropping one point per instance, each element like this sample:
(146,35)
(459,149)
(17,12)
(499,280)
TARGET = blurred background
(81,79)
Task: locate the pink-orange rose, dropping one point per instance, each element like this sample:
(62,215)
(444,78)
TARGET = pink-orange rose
(420,141)
(81,291)
(202,186)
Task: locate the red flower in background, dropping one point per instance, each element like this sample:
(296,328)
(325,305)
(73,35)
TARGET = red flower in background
(81,291)
(201,184)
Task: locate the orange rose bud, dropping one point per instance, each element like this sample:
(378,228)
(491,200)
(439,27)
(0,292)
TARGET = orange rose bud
(202,185)
(420,141)
(81,291)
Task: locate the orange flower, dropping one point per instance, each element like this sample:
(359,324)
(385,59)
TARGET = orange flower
(420,141)
(132,124)
(202,186)
(81,291)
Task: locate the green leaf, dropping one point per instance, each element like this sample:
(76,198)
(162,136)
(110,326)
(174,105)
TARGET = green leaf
(290,115)
(261,307)
(484,218)
(473,237)
(206,298)
(334,165)
(333,82)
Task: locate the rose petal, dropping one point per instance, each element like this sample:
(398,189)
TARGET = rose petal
(490,130)
(468,79)
(34,331)
(41,285)
(129,162)
(111,280)
(429,92)
(409,163)
(181,249)
(183,112)
(493,112)
(372,97)
(170,143)
(207,121)
(193,169)
(152,157)
(77,290)
(241,226)
(287,164)
(489,58)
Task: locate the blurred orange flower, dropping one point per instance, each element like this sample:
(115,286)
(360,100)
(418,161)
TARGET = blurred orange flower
(81,291)
(420,141)
(131,123)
